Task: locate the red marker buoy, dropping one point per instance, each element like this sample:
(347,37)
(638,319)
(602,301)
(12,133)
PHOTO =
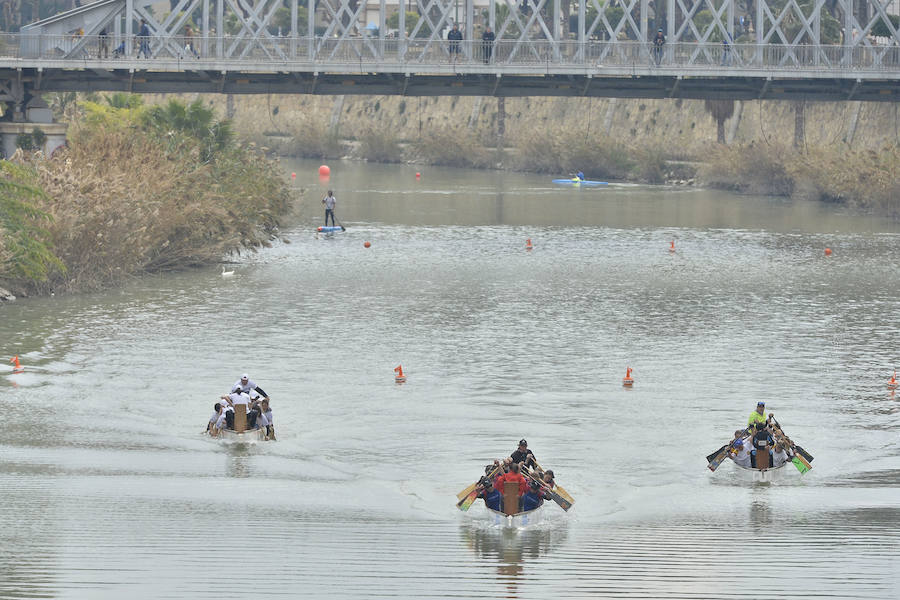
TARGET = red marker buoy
(400,378)
(293,176)
(893,384)
(672,246)
(17,366)
(827,251)
(366,245)
(324,171)
(528,245)
(627,381)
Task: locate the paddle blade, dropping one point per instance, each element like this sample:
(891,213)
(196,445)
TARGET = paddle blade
(562,492)
(799,464)
(466,491)
(467,502)
(718,460)
(563,503)
(712,456)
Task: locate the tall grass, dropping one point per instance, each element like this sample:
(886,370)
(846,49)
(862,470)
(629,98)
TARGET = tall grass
(859,178)
(128,197)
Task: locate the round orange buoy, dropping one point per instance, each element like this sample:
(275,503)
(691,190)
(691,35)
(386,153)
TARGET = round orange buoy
(324,171)
(418,175)
(893,384)
(827,251)
(17,367)
(627,381)
(528,245)
(366,245)
(672,246)
(293,176)
(400,378)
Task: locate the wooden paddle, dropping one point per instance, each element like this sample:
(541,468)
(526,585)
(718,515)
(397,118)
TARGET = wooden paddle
(805,456)
(718,457)
(563,502)
(559,489)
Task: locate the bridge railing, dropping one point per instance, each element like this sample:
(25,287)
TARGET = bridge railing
(372,53)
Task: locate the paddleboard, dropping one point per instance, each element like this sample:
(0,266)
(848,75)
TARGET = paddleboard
(580,182)
(329,229)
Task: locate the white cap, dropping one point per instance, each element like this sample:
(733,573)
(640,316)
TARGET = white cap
(245,376)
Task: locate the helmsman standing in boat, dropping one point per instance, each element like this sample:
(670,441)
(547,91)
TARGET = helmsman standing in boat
(245,385)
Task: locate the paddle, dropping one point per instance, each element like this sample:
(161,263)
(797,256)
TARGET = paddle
(467,500)
(563,503)
(805,456)
(718,457)
(466,492)
(339,223)
(559,489)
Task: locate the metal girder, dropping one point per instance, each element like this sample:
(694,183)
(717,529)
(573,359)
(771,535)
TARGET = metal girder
(527,31)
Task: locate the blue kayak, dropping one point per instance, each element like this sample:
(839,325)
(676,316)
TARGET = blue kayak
(575,181)
(329,229)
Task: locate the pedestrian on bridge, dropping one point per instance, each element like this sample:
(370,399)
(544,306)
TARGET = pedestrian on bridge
(726,50)
(103,40)
(658,42)
(189,41)
(144,40)
(454,37)
(487,43)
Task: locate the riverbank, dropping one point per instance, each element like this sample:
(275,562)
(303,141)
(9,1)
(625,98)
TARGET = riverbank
(139,189)
(833,152)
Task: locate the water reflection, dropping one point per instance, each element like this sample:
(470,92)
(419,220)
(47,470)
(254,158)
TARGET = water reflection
(238,462)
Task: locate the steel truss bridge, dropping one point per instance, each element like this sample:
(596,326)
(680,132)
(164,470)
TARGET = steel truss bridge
(787,49)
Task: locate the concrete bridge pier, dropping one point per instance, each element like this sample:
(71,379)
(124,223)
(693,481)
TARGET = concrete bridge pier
(27,121)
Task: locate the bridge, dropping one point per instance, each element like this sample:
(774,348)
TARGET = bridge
(787,49)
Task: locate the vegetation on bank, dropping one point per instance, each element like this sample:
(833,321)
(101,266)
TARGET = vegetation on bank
(138,190)
(863,179)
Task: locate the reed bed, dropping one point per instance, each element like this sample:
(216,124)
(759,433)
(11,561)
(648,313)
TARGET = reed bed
(124,199)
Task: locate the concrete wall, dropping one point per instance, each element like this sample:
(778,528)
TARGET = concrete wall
(683,126)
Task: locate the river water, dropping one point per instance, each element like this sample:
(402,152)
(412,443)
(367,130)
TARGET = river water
(109,490)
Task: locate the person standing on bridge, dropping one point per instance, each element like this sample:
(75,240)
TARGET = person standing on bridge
(103,44)
(487,43)
(189,41)
(658,42)
(454,37)
(144,40)
(726,50)
(329,201)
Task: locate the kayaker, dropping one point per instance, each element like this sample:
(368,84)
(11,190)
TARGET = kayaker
(246,385)
(757,416)
(523,455)
(329,201)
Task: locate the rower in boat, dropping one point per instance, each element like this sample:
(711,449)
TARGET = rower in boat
(764,452)
(522,455)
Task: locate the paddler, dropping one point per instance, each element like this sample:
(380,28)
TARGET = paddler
(579,176)
(523,455)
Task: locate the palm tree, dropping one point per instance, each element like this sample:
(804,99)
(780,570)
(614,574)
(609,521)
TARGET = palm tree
(721,111)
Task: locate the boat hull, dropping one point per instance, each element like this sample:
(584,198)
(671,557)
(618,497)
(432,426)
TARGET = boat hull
(587,182)
(251,436)
(766,476)
(516,521)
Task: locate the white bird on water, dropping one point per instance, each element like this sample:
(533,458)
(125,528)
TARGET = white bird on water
(227,273)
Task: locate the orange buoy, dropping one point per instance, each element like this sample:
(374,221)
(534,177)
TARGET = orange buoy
(324,171)
(893,384)
(400,378)
(17,366)
(366,245)
(293,176)
(672,246)
(528,245)
(627,381)
(827,251)
(418,175)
